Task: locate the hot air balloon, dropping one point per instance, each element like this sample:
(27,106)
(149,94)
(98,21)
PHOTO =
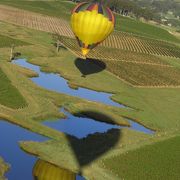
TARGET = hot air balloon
(46,171)
(91,24)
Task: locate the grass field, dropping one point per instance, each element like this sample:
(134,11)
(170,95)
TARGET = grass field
(143,29)
(156,161)
(53,8)
(8,42)
(9,95)
(155,108)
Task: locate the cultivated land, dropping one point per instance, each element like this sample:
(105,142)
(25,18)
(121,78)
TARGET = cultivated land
(156,108)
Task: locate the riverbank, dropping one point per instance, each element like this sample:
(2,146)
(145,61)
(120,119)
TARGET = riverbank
(3,169)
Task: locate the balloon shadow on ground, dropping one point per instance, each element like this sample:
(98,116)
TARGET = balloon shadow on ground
(89,66)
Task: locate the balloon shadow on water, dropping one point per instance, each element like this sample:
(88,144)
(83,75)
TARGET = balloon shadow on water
(89,66)
(90,148)
(86,150)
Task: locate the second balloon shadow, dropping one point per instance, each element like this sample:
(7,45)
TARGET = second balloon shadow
(89,66)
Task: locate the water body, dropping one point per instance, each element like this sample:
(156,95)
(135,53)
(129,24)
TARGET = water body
(83,126)
(55,82)
(21,162)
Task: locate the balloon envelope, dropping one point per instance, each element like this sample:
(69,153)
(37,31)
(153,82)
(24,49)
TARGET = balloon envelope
(91,24)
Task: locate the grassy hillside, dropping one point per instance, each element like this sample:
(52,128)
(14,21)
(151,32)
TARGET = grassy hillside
(63,9)
(143,29)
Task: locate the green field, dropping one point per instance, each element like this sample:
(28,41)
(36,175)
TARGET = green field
(143,29)
(116,154)
(9,95)
(156,161)
(63,9)
(52,8)
(8,42)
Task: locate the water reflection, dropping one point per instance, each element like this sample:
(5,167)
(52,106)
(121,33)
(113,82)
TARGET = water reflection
(47,171)
(79,127)
(21,163)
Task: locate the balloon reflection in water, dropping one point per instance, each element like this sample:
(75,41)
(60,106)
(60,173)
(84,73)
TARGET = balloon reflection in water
(47,171)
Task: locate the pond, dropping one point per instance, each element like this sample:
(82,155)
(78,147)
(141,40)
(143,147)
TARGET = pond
(22,163)
(55,82)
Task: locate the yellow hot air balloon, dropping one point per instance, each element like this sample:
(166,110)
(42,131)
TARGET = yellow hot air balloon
(91,24)
(46,171)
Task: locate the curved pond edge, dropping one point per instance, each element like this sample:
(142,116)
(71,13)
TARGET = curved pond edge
(12,153)
(62,85)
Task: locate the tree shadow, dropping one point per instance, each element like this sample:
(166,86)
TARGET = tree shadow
(89,66)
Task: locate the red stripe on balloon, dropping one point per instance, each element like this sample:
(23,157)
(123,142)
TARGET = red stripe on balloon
(78,6)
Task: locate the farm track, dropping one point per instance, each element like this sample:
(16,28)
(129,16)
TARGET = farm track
(118,40)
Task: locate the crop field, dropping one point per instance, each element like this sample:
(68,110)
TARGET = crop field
(156,161)
(7,42)
(35,21)
(117,40)
(10,96)
(133,43)
(145,74)
(136,69)
(62,9)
